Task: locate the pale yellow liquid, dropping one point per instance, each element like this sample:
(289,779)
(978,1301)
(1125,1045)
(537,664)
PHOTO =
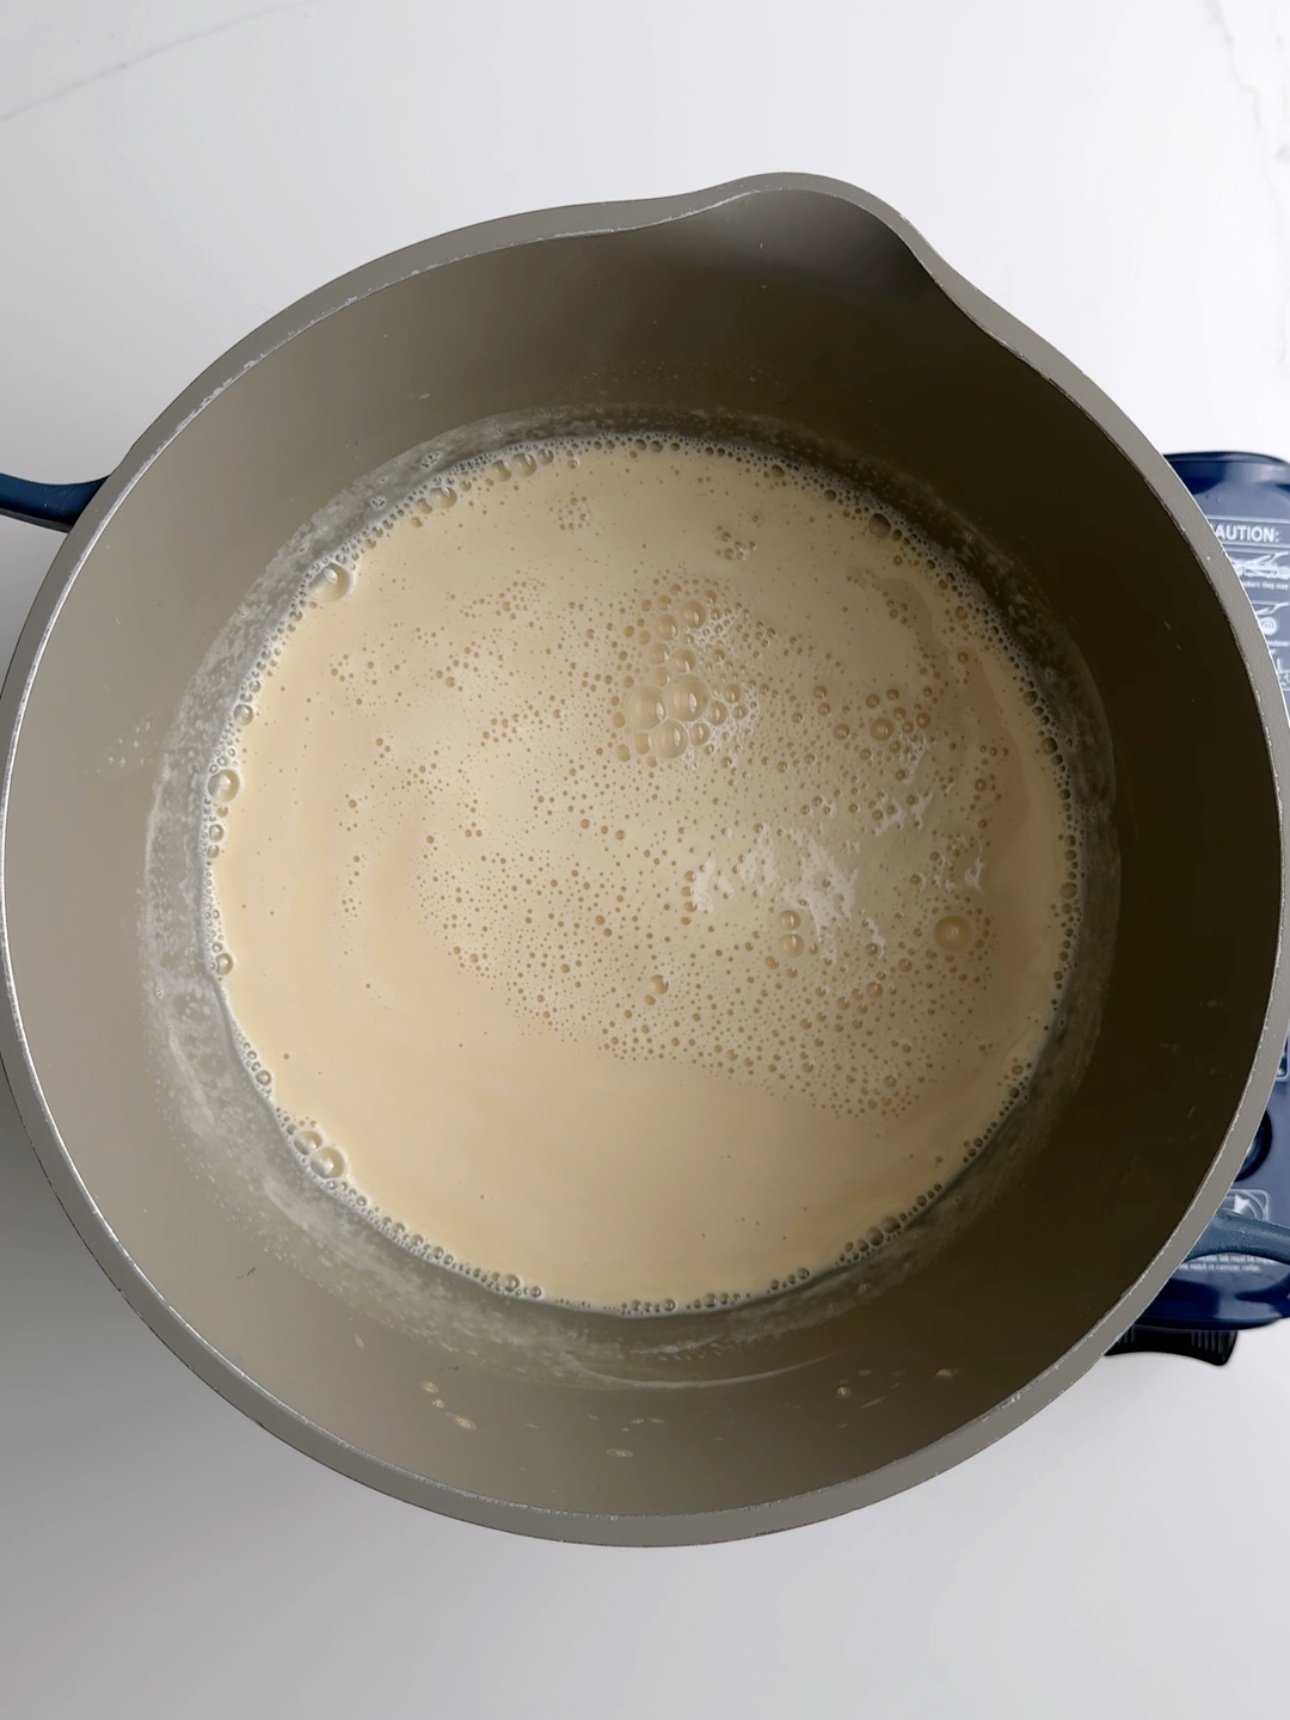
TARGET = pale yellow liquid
(647,872)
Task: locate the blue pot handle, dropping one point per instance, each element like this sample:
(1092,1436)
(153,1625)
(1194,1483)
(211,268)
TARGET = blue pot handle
(57,506)
(1229,1233)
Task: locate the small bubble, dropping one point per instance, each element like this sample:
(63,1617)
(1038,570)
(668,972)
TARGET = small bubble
(953,932)
(223,963)
(328,1163)
(334,582)
(669,740)
(223,785)
(686,698)
(645,707)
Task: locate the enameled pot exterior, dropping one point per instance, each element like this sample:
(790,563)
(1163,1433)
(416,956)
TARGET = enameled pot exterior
(789,300)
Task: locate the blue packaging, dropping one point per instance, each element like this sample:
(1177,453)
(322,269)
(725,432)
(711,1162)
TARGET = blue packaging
(1246,499)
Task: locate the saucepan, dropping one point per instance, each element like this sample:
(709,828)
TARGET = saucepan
(811,310)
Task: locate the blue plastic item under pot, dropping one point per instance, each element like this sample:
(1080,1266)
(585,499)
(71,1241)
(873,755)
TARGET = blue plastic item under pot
(1237,1275)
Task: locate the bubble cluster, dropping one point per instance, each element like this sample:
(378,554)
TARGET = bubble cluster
(770,795)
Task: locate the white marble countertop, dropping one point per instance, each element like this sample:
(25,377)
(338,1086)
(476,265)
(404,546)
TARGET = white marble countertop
(1117,174)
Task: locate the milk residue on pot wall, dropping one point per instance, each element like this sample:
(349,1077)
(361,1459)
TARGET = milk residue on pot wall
(642,872)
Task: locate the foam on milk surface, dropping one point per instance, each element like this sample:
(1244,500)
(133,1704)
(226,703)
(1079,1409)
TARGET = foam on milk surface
(643,871)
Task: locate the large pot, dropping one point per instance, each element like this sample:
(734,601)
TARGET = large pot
(791,299)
